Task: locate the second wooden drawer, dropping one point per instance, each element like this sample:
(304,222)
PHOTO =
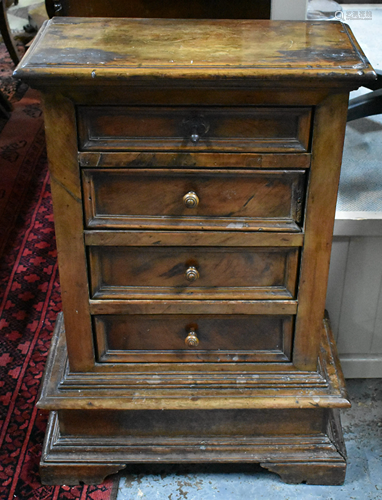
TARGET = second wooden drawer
(194,199)
(193,272)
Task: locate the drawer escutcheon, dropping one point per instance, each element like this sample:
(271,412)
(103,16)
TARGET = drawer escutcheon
(195,127)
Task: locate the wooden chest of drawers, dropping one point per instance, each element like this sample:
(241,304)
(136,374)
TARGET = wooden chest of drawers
(194,170)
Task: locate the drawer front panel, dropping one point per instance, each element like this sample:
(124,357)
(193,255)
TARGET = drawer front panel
(193,272)
(193,338)
(270,199)
(145,128)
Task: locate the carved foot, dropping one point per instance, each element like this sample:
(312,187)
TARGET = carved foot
(323,473)
(72,475)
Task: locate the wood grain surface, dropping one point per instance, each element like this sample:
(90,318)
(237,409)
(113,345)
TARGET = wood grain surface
(222,273)
(225,338)
(68,213)
(128,198)
(148,128)
(119,50)
(243,121)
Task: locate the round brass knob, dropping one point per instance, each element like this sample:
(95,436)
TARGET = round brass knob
(195,138)
(191,199)
(191,339)
(192,274)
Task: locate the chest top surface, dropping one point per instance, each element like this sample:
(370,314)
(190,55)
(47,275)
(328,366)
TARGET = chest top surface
(90,50)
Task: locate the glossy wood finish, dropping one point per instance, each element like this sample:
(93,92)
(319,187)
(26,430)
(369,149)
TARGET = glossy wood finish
(243,423)
(90,442)
(193,386)
(197,160)
(221,272)
(68,213)
(154,50)
(330,122)
(224,338)
(327,467)
(144,116)
(146,128)
(128,198)
(193,238)
(204,306)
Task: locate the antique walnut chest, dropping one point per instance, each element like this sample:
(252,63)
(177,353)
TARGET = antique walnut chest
(194,171)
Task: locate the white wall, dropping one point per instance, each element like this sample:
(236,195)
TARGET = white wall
(289,10)
(354,298)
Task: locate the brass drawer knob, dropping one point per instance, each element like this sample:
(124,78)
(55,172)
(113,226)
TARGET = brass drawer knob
(191,339)
(191,199)
(192,274)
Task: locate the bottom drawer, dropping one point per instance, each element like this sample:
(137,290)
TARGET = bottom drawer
(193,338)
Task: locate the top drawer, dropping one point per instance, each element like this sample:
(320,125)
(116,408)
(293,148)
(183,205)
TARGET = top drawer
(147,128)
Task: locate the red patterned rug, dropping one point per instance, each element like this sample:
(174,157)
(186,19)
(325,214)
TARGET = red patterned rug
(29,303)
